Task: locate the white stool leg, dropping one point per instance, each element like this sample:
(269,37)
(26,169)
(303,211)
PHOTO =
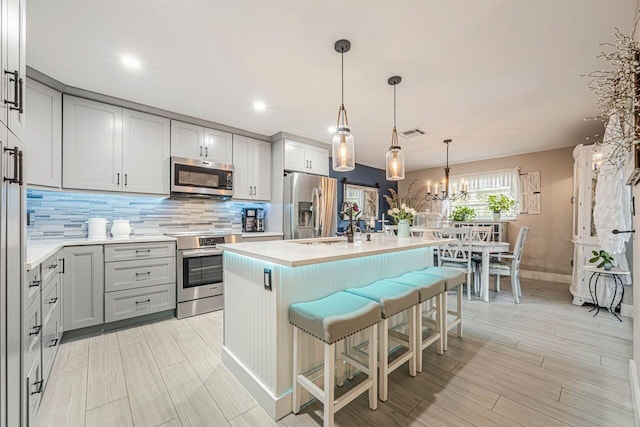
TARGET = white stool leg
(296,370)
(459,312)
(373,369)
(439,325)
(443,319)
(341,367)
(418,339)
(347,347)
(329,382)
(384,359)
(413,313)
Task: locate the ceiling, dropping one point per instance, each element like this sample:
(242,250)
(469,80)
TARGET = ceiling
(499,77)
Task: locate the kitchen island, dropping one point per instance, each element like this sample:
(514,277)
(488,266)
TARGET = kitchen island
(263,279)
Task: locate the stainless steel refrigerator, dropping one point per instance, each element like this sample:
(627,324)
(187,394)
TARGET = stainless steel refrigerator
(310,206)
(12,229)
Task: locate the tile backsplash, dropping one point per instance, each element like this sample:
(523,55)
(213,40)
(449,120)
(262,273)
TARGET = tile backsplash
(57,215)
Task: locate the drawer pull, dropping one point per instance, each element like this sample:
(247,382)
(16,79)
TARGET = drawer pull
(143,302)
(35,330)
(54,341)
(147,273)
(39,385)
(53,300)
(52,266)
(147,251)
(35,283)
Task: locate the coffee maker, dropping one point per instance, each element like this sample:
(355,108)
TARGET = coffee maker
(252,219)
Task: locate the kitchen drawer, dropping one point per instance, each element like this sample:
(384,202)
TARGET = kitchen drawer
(32,334)
(34,386)
(139,273)
(32,291)
(51,266)
(137,302)
(51,340)
(51,297)
(129,251)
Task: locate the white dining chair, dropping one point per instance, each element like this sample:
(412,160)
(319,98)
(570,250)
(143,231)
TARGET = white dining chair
(509,265)
(458,253)
(480,233)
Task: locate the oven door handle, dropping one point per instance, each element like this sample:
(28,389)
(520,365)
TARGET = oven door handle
(201,252)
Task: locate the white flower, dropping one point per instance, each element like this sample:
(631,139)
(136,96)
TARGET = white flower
(390,212)
(413,211)
(396,210)
(403,206)
(407,209)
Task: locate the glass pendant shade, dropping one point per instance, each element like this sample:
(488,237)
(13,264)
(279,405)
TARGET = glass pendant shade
(395,164)
(342,145)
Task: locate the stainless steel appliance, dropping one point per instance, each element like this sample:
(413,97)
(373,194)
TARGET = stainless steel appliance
(309,206)
(12,255)
(200,271)
(201,177)
(252,219)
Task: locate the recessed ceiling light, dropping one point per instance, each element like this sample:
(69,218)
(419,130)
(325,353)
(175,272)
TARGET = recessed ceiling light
(130,62)
(331,129)
(259,106)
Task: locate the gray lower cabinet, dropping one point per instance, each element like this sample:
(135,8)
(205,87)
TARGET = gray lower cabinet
(52,322)
(139,301)
(34,387)
(139,273)
(83,287)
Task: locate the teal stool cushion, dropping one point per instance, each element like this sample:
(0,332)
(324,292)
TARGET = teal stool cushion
(427,286)
(393,297)
(452,277)
(335,317)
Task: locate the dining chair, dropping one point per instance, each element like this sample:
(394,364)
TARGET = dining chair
(480,233)
(509,265)
(458,253)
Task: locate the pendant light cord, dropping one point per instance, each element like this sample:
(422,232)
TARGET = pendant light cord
(342,74)
(394,106)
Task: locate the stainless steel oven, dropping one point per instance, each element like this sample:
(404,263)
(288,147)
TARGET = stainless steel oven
(200,271)
(201,177)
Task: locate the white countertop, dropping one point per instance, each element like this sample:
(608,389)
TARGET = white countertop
(39,250)
(263,234)
(292,253)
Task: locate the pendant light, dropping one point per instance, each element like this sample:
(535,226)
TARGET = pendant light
(342,148)
(395,156)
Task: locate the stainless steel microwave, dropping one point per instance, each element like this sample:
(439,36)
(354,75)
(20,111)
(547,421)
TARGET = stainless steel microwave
(201,177)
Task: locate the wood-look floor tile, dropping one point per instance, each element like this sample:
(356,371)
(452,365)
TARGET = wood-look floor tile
(431,414)
(524,415)
(210,329)
(148,396)
(71,355)
(164,348)
(173,423)
(130,335)
(180,329)
(112,414)
(194,404)
(252,418)
(610,412)
(106,375)
(64,399)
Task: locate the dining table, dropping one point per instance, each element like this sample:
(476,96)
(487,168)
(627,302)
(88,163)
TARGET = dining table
(487,249)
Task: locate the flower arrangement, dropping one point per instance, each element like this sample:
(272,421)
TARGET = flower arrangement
(463,213)
(352,209)
(500,203)
(403,212)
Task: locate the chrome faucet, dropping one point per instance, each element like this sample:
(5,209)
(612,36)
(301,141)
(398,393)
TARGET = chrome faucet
(343,209)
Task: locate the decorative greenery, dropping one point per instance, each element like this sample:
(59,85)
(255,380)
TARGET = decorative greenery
(352,209)
(463,213)
(500,203)
(615,85)
(602,256)
(414,201)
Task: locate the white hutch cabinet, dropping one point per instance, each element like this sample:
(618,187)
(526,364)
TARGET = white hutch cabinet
(585,176)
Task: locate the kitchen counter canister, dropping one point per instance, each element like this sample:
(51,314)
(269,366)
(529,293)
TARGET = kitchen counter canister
(261,281)
(39,250)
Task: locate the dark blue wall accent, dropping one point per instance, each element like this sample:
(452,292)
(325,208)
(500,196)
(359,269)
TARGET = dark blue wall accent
(364,175)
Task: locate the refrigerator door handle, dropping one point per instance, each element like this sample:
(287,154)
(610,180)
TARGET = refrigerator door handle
(317,211)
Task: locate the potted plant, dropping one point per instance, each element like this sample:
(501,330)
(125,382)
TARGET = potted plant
(499,203)
(463,213)
(403,216)
(603,258)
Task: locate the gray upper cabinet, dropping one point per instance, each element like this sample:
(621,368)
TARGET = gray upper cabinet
(301,157)
(114,149)
(92,145)
(197,142)
(44,135)
(146,148)
(83,287)
(14,65)
(252,169)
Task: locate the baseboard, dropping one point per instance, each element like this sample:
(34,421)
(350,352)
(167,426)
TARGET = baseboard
(626,310)
(635,391)
(545,276)
(276,407)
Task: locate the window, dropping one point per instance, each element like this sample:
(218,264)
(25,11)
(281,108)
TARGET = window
(482,184)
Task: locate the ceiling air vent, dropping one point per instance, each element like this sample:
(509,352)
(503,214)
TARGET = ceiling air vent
(412,133)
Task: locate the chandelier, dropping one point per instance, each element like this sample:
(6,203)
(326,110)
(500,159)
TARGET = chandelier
(456,193)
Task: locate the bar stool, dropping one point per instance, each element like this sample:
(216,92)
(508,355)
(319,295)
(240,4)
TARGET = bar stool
(330,320)
(394,299)
(429,288)
(453,278)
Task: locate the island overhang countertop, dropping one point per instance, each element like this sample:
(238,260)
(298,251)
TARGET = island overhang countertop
(300,252)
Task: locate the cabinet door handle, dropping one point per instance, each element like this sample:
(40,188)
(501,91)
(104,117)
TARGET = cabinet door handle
(118,179)
(125,179)
(53,300)
(310,164)
(143,302)
(62,261)
(55,342)
(39,385)
(52,266)
(35,330)
(206,151)
(201,151)
(17,166)
(14,77)
(35,283)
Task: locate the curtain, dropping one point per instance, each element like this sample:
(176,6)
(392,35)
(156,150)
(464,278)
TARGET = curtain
(329,191)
